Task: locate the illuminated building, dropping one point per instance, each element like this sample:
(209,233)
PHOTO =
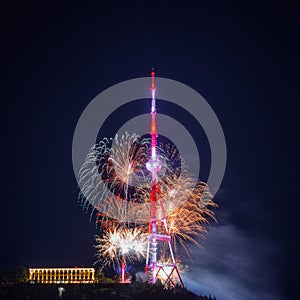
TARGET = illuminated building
(62,275)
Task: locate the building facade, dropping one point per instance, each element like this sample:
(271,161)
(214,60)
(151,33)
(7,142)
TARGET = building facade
(62,275)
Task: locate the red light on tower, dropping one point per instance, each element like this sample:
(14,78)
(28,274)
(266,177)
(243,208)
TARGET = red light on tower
(152,75)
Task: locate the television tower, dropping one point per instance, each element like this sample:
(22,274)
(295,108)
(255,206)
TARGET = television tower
(160,259)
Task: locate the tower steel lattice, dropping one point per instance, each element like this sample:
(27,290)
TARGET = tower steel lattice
(160,260)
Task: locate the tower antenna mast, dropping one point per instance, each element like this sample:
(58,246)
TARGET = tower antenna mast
(160,265)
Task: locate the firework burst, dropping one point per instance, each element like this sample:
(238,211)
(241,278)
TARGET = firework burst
(187,208)
(116,183)
(189,221)
(113,168)
(120,243)
(115,172)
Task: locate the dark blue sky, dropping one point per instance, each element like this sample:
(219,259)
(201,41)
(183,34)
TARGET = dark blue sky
(241,58)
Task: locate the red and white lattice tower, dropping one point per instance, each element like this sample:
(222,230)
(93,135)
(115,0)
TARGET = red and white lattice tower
(160,260)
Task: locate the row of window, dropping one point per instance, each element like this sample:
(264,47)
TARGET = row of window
(62,271)
(34,277)
(60,281)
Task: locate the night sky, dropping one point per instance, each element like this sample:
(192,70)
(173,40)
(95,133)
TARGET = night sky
(241,58)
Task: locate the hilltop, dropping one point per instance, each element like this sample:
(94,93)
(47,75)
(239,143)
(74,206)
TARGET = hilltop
(103,291)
